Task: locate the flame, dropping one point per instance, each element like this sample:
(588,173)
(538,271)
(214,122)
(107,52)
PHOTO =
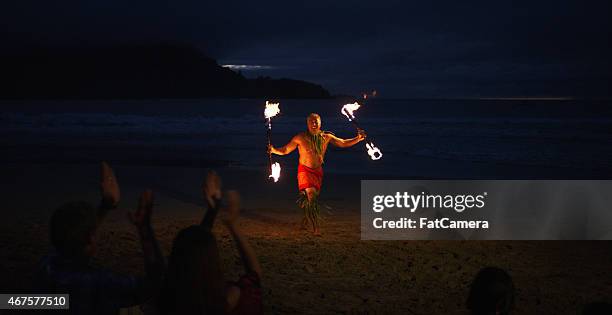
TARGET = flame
(271,110)
(348,109)
(276,168)
(373,151)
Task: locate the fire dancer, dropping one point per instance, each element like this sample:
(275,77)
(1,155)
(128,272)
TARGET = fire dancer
(311,146)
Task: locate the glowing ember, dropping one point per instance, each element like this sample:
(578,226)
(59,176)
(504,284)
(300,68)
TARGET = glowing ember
(276,168)
(271,110)
(373,151)
(348,109)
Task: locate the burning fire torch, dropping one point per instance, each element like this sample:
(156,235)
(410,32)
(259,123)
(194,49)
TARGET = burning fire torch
(271,111)
(347,110)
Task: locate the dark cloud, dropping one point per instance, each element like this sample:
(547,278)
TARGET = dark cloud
(413,49)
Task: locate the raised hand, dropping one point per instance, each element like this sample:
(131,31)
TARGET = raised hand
(142,217)
(211,189)
(109,187)
(232,209)
(154,260)
(232,212)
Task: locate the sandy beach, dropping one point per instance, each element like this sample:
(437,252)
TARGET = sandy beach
(303,274)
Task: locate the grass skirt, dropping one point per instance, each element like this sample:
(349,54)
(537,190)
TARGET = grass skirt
(312,211)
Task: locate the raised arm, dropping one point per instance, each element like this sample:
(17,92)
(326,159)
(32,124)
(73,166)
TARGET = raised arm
(244,248)
(211,190)
(109,188)
(345,143)
(153,258)
(288,148)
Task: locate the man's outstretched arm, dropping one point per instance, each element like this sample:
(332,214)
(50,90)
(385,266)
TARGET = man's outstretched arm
(345,143)
(290,147)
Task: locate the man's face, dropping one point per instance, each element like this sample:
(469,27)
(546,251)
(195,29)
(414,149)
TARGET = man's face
(314,124)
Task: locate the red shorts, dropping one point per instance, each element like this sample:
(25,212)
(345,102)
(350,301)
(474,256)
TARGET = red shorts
(309,177)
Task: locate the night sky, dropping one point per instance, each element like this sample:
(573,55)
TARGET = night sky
(401,48)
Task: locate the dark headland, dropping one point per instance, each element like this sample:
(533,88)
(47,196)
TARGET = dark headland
(135,72)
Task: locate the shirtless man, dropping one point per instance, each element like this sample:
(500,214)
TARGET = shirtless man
(311,146)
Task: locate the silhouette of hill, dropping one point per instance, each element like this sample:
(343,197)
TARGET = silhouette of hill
(135,71)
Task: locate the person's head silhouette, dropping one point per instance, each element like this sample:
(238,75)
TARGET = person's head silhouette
(194,282)
(72,229)
(491,292)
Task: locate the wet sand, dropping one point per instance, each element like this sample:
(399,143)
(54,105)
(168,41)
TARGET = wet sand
(335,273)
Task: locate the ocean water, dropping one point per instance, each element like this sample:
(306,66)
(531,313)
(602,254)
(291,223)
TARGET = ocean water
(423,138)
